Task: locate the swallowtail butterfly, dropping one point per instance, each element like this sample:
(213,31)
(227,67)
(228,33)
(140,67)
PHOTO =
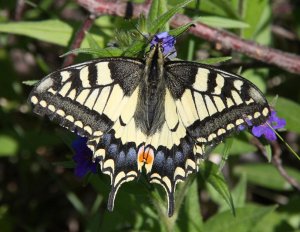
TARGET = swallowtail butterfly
(151,114)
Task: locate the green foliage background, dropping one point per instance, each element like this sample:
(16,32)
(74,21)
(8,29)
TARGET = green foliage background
(38,190)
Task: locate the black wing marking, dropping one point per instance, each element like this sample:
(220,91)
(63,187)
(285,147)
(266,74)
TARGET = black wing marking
(97,99)
(213,103)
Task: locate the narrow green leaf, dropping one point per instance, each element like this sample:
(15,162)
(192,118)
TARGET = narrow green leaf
(97,202)
(153,12)
(76,202)
(227,7)
(269,152)
(218,7)
(266,175)
(8,145)
(104,52)
(253,19)
(228,145)
(160,22)
(191,49)
(221,22)
(158,8)
(239,193)
(30,82)
(52,31)
(193,218)
(92,42)
(210,173)
(263,33)
(214,60)
(179,30)
(134,49)
(244,220)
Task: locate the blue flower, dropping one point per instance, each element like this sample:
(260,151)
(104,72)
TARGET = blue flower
(168,43)
(264,129)
(83,158)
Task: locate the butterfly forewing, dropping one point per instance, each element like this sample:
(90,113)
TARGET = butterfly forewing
(85,97)
(212,103)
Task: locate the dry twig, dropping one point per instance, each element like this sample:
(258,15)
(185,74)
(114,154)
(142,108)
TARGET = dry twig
(79,36)
(284,60)
(276,160)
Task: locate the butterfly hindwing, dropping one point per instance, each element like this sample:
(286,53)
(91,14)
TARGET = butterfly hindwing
(213,103)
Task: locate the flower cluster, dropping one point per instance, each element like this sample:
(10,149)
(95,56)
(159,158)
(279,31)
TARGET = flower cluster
(83,158)
(167,42)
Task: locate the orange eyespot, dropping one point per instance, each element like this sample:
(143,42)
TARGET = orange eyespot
(146,156)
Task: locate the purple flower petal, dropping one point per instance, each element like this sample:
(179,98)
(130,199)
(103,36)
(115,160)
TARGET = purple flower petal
(83,158)
(269,134)
(167,42)
(264,129)
(258,130)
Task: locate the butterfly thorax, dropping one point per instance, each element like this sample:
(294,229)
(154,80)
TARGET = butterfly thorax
(150,114)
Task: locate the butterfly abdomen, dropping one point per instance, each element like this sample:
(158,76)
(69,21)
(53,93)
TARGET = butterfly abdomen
(150,112)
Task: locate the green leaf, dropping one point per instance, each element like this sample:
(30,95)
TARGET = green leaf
(158,8)
(266,175)
(76,202)
(263,33)
(30,82)
(214,60)
(228,145)
(238,147)
(244,220)
(92,42)
(238,195)
(219,7)
(210,173)
(268,152)
(8,145)
(179,30)
(104,52)
(52,31)
(290,111)
(134,49)
(253,14)
(160,22)
(192,219)
(221,22)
